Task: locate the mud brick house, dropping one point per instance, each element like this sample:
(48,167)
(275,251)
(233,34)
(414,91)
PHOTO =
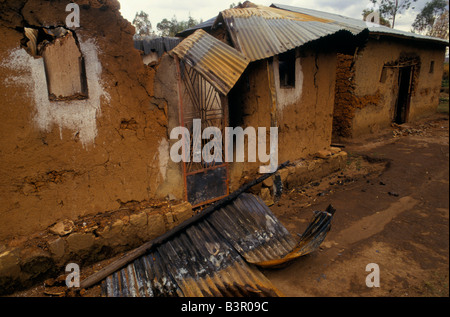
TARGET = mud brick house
(383,75)
(393,79)
(265,67)
(395,76)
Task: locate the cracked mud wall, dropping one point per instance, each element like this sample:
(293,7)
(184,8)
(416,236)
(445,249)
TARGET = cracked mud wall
(367,103)
(67,159)
(166,98)
(346,102)
(305,113)
(249,105)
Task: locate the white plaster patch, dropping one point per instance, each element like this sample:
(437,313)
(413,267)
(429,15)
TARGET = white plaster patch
(163,152)
(288,96)
(80,116)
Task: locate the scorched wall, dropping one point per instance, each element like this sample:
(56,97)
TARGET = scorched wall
(71,158)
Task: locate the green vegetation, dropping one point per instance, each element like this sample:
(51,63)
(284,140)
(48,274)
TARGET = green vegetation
(443,104)
(444,96)
(164,28)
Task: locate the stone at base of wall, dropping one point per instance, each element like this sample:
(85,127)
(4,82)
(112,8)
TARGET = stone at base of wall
(303,172)
(21,266)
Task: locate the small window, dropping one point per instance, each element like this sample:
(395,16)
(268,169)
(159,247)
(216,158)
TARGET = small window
(383,75)
(287,69)
(432,67)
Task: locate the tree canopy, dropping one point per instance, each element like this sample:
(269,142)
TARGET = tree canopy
(142,24)
(433,20)
(172,27)
(164,28)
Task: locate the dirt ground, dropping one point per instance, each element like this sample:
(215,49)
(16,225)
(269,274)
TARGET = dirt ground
(392,209)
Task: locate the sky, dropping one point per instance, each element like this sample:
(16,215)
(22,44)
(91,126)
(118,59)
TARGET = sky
(202,9)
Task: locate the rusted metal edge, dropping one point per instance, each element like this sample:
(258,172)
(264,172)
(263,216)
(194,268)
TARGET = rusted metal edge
(310,240)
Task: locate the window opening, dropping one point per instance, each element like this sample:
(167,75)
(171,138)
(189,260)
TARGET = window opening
(287,69)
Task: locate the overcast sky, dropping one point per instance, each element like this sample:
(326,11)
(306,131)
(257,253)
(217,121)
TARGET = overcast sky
(202,9)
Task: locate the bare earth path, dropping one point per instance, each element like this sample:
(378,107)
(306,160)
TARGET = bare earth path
(396,217)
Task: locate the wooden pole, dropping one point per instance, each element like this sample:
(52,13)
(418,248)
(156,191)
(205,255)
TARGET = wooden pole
(136,253)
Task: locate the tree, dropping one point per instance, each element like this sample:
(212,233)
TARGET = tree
(142,24)
(390,9)
(168,28)
(433,20)
(172,27)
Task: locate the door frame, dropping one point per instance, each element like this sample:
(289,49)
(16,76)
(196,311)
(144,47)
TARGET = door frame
(188,170)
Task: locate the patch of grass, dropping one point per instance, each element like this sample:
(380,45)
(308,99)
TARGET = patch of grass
(437,285)
(443,104)
(445,83)
(358,164)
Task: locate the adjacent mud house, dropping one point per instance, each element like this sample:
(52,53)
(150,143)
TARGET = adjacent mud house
(391,77)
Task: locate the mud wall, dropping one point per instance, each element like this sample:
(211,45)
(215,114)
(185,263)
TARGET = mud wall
(249,105)
(64,160)
(166,96)
(344,103)
(375,97)
(305,113)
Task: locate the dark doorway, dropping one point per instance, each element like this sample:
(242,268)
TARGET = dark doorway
(404,94)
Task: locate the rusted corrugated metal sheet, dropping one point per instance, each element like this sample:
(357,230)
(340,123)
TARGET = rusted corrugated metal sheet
(215,256)
(198,262)
(220,64)
(310,240)
(260,32)
(251,228)
(357,26)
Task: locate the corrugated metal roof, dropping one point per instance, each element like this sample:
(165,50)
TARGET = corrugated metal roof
(251,228)
(220,64)
(214,256)
(260,32)
(270,13)
(357,26)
